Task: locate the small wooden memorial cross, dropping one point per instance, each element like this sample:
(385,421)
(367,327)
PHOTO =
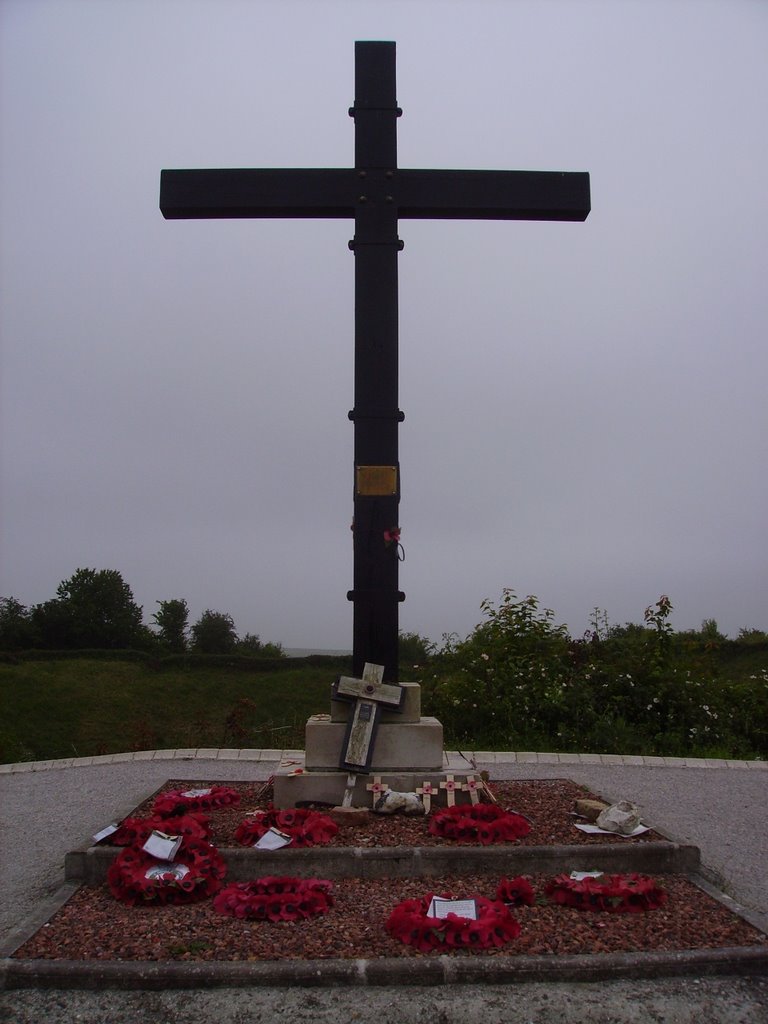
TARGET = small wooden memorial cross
(450,786)
(472,785)
(369,695)
(377,789)
(426,791)
(377,194)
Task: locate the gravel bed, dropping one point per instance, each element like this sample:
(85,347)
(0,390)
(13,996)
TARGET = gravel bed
(95,926)
(546,803)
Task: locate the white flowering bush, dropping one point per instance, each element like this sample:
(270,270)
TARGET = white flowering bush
(520,682)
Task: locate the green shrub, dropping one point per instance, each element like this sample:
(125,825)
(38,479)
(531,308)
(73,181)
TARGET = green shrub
(520,682)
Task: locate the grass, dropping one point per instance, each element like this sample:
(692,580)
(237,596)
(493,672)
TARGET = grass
(81,707)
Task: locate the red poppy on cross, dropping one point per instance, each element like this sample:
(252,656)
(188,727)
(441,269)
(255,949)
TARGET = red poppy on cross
(450,786)
(472,785)
(377,788)
(426,792)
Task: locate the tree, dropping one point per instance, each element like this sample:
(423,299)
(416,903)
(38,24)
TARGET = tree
(413,649)
(252,646)
(214,633)
(249,644)
(92,609)
(17,631)
(171,620)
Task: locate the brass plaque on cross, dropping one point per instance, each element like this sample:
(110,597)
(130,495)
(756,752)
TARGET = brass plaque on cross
(370,695)
(375,481)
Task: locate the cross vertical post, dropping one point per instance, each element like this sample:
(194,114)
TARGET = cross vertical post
(375,594)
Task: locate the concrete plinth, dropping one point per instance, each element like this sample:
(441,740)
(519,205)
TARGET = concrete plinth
(416,746)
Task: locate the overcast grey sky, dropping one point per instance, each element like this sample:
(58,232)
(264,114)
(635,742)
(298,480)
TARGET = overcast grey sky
(585,403)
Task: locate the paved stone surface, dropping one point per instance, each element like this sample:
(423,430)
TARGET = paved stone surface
(683,1001)
(49,808)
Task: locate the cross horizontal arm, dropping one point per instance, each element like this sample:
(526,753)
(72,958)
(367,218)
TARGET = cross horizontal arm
(492,195)
(263,192)
(338,192)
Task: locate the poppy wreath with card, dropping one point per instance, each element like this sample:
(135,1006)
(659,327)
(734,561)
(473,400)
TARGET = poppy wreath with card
(618,894)
(479,823)
(494,927)
(304,826)
(275,899)
(185,801)
(136,831)
(195,873)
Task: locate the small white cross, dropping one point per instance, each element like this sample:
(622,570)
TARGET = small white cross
(377,788)
(450,786)
(426,792)
(472,785)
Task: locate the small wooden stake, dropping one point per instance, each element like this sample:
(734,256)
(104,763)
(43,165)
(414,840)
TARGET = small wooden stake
(488,790)
(349,790)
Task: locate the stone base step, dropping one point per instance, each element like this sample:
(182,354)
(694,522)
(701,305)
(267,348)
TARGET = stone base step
(297,783)
(243,864)
(409,746)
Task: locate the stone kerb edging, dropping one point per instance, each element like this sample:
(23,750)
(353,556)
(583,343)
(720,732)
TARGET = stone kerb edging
(485,757)
(439,970)
(90,866)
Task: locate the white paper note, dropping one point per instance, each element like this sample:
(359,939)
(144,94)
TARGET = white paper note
(594,830)
(441,908)
(162,846)
(273,839)
(108,830)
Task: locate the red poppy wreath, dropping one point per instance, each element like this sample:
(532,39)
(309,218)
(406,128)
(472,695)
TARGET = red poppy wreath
(136,831)
(618,894)
(410,923)
(275,899)
(516,892)
(305,827)
(184,801)
(194,873)
(479,823)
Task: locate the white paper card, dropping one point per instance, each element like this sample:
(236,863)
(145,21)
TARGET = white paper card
(162,846)
(594,830)
(441,908)
(273,839)
(108,830)
(579,876)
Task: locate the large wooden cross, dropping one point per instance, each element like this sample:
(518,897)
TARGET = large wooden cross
(376,193)
(370,696)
